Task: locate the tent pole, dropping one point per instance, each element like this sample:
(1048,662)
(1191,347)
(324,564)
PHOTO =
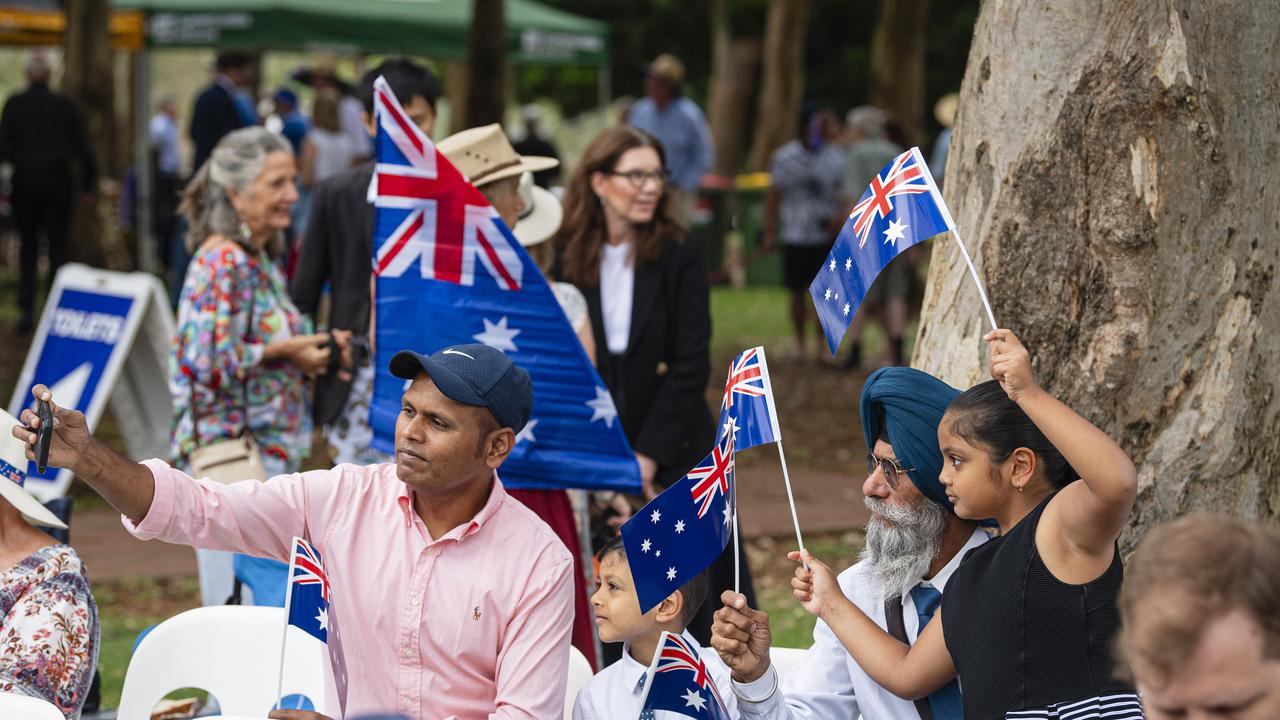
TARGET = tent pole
(142,160)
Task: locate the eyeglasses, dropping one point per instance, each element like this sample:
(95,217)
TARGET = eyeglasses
(890,468)
(637,178)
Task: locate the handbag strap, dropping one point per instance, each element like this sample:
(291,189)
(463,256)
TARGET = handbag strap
(244,383)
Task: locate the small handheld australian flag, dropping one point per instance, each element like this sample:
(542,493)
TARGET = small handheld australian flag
(680,532)
(748,401)
(305,648)
(902,207)
(678,684)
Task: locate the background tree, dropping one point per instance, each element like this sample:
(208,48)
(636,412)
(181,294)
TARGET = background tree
(897,63)
(87,78)
(782,81)
(487,65)
(735,66)
(1117,180)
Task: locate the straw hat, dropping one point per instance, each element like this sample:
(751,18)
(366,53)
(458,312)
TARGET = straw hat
(667,67)
(944,111)
(484,155)
(541,216)
(13,473)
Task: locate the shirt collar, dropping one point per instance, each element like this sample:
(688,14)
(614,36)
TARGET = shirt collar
(497,495)
(939,580)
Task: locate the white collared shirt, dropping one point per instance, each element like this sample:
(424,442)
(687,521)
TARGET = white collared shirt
(615,692)
(617,288)
(828,683)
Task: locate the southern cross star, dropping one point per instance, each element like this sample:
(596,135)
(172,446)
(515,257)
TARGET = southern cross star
(671,573)
(656,516)
(679,526)
(602,407)
(644,546)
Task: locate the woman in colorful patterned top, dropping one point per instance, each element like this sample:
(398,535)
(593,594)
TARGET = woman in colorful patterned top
(242,352)
(48,620)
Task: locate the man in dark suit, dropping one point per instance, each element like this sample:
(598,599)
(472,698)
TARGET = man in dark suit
(42,135)
(216,112)
(338,246)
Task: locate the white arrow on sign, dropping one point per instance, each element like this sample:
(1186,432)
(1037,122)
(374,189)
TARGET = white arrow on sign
(68,390)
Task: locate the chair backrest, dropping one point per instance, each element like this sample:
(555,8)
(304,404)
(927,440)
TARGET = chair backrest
(231,651)
(579,674)
(21,707)
(786,659)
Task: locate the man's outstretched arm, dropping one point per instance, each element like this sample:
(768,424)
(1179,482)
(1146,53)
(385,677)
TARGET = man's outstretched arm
(128,486)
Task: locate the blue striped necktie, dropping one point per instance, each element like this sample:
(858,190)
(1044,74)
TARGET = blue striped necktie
(944,703)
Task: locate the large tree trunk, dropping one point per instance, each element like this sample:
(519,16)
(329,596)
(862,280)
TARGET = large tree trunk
(487,63)
(782,87)
(87,78)
(1117,181)
(735,63)
(897,64)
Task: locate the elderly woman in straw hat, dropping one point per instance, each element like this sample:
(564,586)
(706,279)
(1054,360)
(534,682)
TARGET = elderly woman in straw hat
(48,620)
(242,352)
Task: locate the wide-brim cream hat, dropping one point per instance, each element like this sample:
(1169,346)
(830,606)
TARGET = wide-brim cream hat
(484,155)
(13,473)
(541,216)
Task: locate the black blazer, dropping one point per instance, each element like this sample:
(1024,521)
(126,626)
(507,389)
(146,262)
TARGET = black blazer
(336,249)
(659,384)
(212,118)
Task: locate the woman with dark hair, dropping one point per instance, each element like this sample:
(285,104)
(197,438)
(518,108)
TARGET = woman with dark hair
(645,281)
(1028,618)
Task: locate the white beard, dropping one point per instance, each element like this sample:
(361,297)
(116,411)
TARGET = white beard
(898,552)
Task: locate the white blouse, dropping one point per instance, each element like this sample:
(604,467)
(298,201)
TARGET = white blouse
(617,289)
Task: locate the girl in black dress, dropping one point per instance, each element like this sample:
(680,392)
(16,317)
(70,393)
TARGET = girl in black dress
(1027,620)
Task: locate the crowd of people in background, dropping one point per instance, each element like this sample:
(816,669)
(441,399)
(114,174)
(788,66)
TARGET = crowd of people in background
(992,583)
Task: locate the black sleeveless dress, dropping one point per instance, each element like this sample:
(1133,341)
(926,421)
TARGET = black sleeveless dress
(1027,645)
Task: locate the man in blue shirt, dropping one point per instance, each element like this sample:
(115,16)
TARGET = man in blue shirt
(294,123)
(679,125)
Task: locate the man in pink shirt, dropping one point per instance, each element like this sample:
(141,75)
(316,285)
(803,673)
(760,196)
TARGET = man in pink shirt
(449,598)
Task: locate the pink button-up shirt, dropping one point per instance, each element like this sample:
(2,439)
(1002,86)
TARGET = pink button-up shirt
(472,624)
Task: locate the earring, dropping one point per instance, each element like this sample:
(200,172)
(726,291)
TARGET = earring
(245,233)
(1022,488)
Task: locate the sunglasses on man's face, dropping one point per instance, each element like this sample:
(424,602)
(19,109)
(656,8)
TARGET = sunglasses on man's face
(890,468)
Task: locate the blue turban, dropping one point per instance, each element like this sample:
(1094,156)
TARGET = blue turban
(906,405)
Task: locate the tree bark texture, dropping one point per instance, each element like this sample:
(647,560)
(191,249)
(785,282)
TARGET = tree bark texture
(487,61)
(782,84)
(735,67)
(1114,169)
(897,63)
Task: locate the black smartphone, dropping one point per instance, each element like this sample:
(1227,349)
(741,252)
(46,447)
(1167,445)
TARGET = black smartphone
(44,435)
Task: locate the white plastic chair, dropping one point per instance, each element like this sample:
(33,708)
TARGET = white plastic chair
(786,659)
(231,651)
(579,674)
(21,707)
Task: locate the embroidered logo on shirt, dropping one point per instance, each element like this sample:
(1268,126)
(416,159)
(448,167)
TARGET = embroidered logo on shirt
(475,614)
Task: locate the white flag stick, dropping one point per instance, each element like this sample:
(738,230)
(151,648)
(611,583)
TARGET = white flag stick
(982,293)
(737,569)
(782,457)
(284,635)
(791,500)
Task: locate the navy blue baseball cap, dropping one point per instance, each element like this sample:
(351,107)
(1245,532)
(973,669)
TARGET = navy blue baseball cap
(476,375)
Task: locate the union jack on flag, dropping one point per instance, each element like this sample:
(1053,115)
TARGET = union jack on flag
(901,207)
(748,401)
(307,602)
(714,475)
(446,225)
(678,682)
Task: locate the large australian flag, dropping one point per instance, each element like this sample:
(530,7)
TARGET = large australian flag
(678,684)
(448,271)
(680,532)
(900,208)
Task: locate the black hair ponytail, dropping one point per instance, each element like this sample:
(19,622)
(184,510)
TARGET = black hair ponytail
(985,417)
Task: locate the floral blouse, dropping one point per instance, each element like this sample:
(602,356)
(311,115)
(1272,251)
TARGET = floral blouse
(48,629)
(213,346)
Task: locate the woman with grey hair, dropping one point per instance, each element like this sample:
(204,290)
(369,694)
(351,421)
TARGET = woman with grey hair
(242,352)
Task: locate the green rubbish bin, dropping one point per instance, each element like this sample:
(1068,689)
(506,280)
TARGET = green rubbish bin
(761,268)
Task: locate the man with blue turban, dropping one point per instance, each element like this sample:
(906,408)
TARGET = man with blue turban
(914,543)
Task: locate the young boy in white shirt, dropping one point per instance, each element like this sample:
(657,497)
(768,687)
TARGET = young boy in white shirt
(616,691)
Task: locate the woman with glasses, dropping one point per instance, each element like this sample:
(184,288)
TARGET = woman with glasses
(645,281)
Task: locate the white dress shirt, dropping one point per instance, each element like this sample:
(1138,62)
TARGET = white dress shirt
(615,692)
(828,683)
(617,290)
